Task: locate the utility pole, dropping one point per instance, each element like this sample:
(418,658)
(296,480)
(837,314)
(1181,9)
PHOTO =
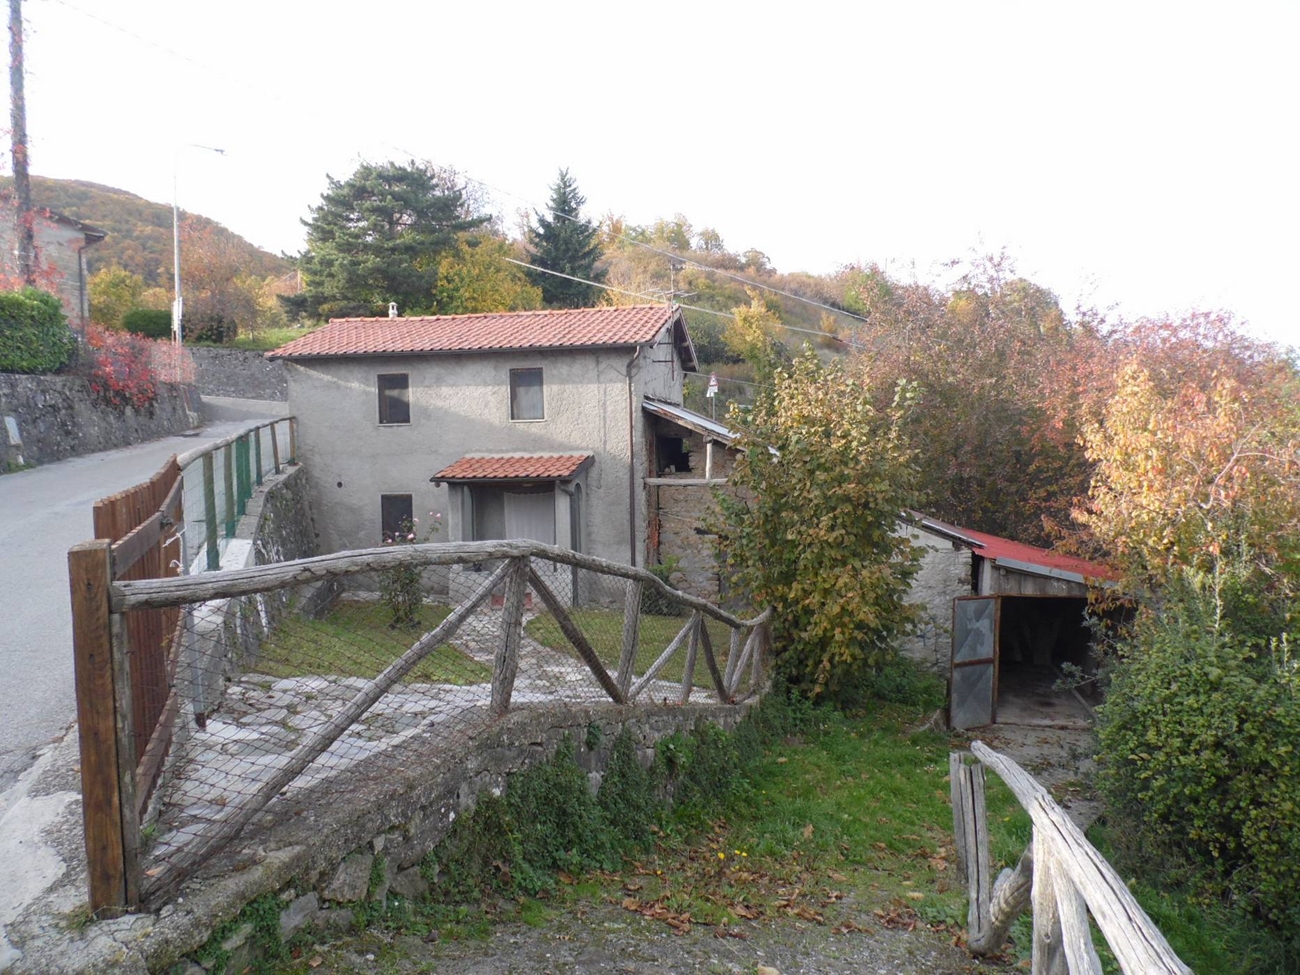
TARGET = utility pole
(25,231)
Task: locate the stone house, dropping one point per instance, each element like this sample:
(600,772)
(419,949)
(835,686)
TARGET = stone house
(506,425)
(60,260)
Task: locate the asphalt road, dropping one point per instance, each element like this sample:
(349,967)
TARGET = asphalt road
(43,512)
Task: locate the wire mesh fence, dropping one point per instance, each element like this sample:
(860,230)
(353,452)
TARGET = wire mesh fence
(219,480)
(289,677)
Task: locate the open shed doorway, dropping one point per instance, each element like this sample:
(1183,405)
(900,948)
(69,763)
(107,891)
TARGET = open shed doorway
(1008,652)
(1038,635)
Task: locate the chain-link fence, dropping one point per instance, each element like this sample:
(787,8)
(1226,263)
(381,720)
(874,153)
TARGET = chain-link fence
(295,676)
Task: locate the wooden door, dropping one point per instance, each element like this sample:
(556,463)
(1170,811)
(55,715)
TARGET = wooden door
(973,687)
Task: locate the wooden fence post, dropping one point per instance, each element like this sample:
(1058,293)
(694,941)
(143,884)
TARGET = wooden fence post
(275,448)
(972,837)
(692,651)
(631,631)
(506,664)
(257,449)
(89,578)
(293,440)
(228,476)
(1049,956)
(210,512)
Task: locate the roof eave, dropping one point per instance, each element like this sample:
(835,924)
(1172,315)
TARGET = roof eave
(277,354)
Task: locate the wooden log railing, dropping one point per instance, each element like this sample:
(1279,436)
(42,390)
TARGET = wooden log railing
(126,885)
(1061,877)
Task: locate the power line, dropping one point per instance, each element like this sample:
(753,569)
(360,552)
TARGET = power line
(710,311)
(243,82)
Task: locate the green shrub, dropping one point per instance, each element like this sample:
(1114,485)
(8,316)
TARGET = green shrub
(628,795)
(557,818)
(148,322)
(1200,737)
(34,334)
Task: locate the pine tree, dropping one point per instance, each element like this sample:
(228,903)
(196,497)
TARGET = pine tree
(378,237)
(563,241)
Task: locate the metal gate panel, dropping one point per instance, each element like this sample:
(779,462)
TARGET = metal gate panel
(974,673)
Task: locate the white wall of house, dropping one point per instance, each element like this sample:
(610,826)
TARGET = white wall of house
(460,405)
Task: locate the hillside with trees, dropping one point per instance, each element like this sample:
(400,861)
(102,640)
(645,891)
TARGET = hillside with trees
(139,230)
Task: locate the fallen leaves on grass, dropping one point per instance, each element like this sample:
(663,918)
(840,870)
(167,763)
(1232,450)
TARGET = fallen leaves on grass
(656,911)
(898,918)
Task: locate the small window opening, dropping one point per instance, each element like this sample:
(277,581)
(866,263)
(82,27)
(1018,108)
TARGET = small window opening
(672,455)
(396,515)
(526,394)
(394,397)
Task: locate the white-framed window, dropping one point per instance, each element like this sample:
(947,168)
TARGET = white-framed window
(526,399)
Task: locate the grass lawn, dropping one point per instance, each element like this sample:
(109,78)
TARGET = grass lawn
(355,640)
(603,628)
(850,818)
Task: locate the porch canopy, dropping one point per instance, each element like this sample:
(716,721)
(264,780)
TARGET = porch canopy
(512,495)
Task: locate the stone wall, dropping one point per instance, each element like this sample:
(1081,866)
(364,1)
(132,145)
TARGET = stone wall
(945,574)
(319,853)
(239,374)
(683,512)
(58,417)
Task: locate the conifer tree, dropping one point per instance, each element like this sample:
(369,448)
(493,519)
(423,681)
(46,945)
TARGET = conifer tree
(378,236)
(563,241)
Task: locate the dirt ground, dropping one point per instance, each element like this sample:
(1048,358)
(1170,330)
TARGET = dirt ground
(602,939)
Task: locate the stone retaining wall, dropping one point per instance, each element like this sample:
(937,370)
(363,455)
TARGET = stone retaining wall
(684,513)
(58,417)
(239,374)
(319,852)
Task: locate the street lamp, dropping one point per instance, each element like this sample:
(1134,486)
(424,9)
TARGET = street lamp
(178,303)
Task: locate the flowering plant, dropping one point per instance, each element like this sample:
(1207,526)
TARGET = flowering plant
(401,586)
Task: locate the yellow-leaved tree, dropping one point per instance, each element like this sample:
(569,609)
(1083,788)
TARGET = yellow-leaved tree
(809,525)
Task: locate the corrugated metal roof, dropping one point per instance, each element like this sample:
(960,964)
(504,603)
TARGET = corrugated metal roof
(689,419)
(513,467)
(1018,555)
(499,331)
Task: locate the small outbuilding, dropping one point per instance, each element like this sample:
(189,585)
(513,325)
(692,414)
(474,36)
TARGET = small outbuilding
(1002,618)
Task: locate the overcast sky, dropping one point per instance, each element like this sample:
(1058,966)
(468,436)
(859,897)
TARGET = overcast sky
(1141,155)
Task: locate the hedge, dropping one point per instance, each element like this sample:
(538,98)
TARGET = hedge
(148,322)
(34,334)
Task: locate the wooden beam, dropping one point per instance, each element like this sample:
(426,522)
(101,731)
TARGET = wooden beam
(126,759)
(575,636)
(146,593)
(101,806)
(238,814)
(692,651)
(1136,943)
(631,631)
(506,664)
(707,644)
(662,661)
(685,481)
(1049,956)
(1010,899)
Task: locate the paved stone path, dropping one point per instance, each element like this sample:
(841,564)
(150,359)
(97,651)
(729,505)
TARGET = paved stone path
(261,720)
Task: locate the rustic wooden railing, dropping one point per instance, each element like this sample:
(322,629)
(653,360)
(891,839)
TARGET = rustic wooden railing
(107,605)
(1061,877)
(126,704)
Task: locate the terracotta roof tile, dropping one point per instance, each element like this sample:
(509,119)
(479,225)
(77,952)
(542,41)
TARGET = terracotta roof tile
(513,467)
(557,329)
